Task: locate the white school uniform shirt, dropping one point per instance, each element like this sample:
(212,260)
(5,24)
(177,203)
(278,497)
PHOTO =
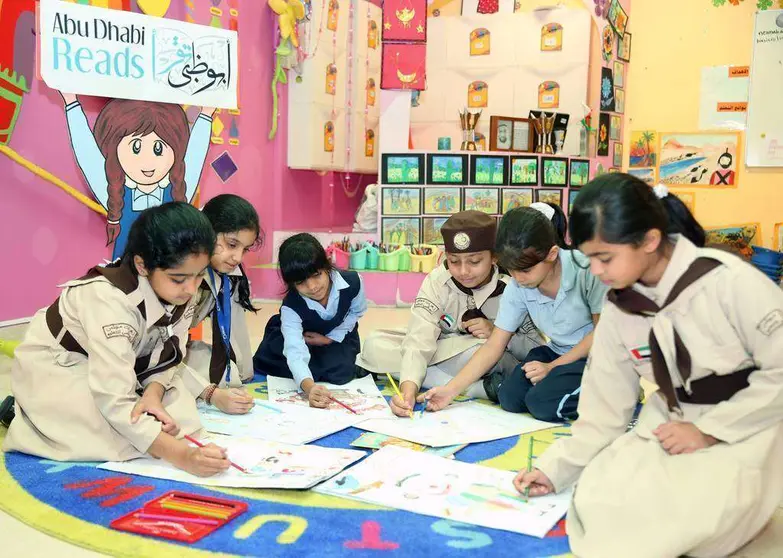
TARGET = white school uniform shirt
(568,318)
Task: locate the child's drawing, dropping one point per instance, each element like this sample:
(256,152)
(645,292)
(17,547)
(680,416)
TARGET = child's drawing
(700,158)
(400,231)
(516,197)
(401,201)
(482,199)
(362,395)
(430,485)
(441,201)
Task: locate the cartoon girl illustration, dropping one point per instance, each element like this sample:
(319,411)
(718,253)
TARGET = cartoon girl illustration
(138,155)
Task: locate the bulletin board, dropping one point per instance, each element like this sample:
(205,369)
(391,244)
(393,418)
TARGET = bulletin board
(764,135)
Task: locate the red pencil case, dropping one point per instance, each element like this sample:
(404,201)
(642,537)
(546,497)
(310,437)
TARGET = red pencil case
(155,520)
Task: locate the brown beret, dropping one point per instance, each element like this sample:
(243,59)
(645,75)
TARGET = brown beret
(469,231)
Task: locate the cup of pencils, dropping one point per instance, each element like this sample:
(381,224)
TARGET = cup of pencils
(358,256)
(424,257)
(339,251)
(373,255)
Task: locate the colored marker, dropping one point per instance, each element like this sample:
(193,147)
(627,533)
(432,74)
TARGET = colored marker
(199,444)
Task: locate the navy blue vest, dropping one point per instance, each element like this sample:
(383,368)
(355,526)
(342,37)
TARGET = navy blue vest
(311,321)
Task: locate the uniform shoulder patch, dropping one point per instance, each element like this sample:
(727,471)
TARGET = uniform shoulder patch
(120,330)
(770,323)
(426,305)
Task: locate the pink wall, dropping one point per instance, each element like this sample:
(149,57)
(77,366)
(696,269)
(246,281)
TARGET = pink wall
(50,238)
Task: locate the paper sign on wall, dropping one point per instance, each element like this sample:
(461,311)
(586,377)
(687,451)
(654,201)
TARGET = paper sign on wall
(723,102)
(111,53)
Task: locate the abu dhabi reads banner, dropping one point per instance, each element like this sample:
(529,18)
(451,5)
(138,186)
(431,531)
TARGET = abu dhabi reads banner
(112,53)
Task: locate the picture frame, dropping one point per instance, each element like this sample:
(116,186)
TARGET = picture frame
(619,100)
(572,194)
(550,195)
(400,201)
(489,170)
(619,73)
(554,171)
(579,172)
(516,197)
(713,159)
(507,133)
(645,174)
(615,127)
(617,154)
(447,169)
(617,17)
(739,237)
(400,231)
(485,200)
(442,201)
(524,171)
(777,238)
(624,47)
(402,168)
(430,230)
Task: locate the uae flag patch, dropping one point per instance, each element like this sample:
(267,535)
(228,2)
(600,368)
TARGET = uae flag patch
(641,353)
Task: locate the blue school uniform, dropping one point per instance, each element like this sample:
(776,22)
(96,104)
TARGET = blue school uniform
(566,320)
(283,351)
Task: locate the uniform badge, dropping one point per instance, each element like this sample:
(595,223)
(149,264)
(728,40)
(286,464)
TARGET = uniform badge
(641,353)
(446,321)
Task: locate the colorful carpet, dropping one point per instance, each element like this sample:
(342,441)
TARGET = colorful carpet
(76,502)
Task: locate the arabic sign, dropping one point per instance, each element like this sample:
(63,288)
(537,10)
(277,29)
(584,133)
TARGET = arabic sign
(112,53)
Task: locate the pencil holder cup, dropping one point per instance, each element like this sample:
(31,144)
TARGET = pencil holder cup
(427,263)
(372,256)
(341,258)
(404,259)
(389,261)
(359,259)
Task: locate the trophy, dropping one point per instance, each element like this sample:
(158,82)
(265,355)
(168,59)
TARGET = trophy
(468,121)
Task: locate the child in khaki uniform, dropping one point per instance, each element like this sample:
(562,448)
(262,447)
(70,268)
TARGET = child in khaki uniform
(452,316)
(700,473)
(112,335)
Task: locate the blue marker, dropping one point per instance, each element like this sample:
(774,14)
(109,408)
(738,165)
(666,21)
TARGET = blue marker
(422,409)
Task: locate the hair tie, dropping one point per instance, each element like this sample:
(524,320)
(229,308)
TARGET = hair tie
(541,207)
(110,222)
(661,191)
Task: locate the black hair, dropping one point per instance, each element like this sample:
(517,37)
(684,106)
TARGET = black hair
(165,235)
(524,238)
(560,223)
(301,256)
(229,213)
(620,209)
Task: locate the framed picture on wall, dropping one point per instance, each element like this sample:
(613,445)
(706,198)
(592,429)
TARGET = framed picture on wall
(430,230)
(400,201)
(442,201)
(550,195)
(617,158)
(572,194)
(397,231)
(619,100)
(580,172)
(507,133)
(402,168)
(615,127)
(619,74)
(524,171)
(554,171)
(482,199)
(624,47)
(447,169)
(516,197)
(489,170)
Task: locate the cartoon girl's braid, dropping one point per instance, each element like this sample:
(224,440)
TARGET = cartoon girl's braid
(177,179)
(116,190)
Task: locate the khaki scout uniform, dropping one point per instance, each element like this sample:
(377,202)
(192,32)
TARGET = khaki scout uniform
(634,499)
(209,360)
(77,374)
(435,333)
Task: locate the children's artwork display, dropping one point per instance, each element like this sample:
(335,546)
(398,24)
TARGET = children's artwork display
(489,170)
(442,201)
(554,196)
(447,169)
(602,145)
(361,395)
(707,159)
(624,47)
(615,127)
(619,100)
(580,172)
(572,194)
(554,171)
(482,199)
(405,21)
(400,231)
(461,423)
(400,201)
(402,168)
(430,485)
(617,155)
(516,197)
(404,66)
(739,238)
(646,174)
(644,149)
(375,441)
(267,465)
(607,90)
(268,421)
(430,230)
(524,171)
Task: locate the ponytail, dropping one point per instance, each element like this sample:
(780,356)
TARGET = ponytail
(241,286)
(619,209)
(560,223)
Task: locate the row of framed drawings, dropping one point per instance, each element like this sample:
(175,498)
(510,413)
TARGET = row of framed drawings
(460,169)
(435,200)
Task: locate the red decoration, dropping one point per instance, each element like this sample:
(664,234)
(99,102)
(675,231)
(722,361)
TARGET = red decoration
(404,66)
(371,539)
(111,486)
(405,20)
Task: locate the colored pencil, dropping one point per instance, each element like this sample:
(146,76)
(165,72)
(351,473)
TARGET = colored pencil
(215,506)
(178,518)
(397,391)
(199,444)
(200,500)
(194,510)
(529,466)
(268,406)
(341,404)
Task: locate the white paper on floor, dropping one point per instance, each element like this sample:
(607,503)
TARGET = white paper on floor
(268,465)
(460,423)
(361,394)
(430,485)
